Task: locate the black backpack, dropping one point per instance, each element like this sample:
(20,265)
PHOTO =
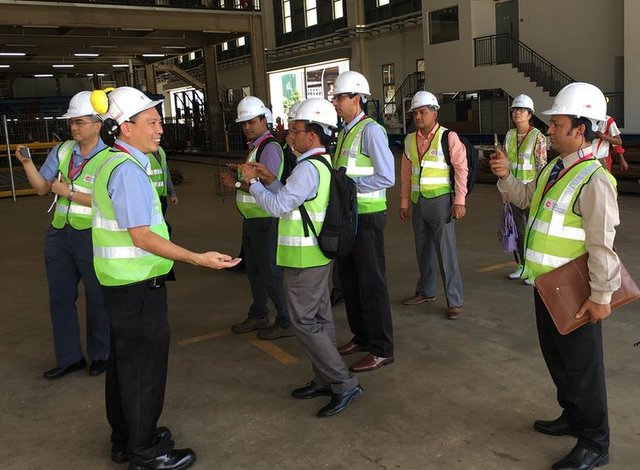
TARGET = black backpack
(473,160)
(340,225)
(288,158)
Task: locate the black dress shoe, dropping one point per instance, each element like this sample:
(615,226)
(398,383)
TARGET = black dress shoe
(97,367)
(558,427)
(311,390)
(177,459)
(339,401)
(58,372)
(119,451)
(582,459)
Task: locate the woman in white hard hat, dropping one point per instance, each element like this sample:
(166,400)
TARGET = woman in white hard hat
(526,149)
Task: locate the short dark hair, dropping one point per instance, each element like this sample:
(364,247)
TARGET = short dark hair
(589,133)
(319,131)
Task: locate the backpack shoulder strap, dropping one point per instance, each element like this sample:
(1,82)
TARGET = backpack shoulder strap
(262,146)
(445,146)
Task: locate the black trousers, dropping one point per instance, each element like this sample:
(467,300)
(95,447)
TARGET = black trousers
(364,285)
(577,369)
(259,243)
(137,367)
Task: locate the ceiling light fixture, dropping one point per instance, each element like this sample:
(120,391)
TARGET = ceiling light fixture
(86,54)
(12,54)
(153,55)
(62,66)
(43,75)
(119,66)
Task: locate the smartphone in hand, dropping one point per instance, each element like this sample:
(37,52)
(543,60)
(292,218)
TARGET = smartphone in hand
(25,152)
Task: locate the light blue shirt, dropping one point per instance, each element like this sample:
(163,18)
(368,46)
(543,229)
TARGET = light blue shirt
(131,191)
(302,184)
(49,170)
(375,145)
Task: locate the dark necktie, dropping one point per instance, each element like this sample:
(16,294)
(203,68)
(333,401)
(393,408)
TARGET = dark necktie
(555,171)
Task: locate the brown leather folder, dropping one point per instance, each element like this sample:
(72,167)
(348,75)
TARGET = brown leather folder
(565,289)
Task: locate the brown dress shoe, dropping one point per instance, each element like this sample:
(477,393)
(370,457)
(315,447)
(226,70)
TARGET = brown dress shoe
(351,348)
(418,299)
(370,362)
(455,312)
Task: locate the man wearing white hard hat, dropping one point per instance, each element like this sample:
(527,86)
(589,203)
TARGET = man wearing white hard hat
(573,211)
(363,149)
(306,268)
(69,172)
(435,200)
(132,256)
(259,228)
(526,149)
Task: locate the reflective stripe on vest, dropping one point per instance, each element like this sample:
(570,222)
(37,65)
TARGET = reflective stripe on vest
(158,171)
(245,202)
(70,212)
(349,155)
(429,174)
(294,249)
(522,158)
(117,261)
(555,234)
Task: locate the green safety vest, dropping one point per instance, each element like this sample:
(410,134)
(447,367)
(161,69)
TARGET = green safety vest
(70,212)
(245,202)
(429,175)
(294,249)
(158,171)
(117,261)
(555,234)
(349,155)
(522,158)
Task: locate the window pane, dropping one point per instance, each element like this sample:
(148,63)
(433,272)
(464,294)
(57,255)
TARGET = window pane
(225,46)
(383,2)
(312,17)
(287,25)
(443,25)
(338,12)
(287,9)
(311,4)
(241,41)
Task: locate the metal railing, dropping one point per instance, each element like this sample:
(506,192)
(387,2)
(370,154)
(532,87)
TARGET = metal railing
(226,5)
(412,83)
(504,49)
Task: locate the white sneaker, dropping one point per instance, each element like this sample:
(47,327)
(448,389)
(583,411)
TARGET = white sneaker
(517,274)
(529,282)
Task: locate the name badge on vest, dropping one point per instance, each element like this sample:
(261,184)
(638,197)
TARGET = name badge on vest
(88,178)
(549,204)
(432,152)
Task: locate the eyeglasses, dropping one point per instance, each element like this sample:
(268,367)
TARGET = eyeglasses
(297,131)
(519,110)
(342,96)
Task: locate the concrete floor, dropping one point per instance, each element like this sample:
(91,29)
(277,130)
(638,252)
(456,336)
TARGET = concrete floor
(461,394)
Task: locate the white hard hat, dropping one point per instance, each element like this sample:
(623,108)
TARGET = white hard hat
(318,111)
(522,101)
(124,103)
(424,98)
(80,105)
(250,107)
(292,110)
(580,100)
(268,115)
(351,82)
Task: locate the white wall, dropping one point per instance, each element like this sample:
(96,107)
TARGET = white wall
(401,48)
(631,66)
(580,37)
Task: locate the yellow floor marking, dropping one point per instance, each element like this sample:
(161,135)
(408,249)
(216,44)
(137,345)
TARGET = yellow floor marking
(494,267)
(197,339)
(274,351)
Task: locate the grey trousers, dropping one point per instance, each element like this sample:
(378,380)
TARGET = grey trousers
(435,238)
(307,293)
(520,217)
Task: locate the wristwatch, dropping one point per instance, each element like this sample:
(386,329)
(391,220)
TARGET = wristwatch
(237,184)
(253,180)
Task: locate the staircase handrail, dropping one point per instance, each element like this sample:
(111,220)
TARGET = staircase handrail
(498,49)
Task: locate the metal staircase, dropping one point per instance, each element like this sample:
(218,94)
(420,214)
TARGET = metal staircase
(395,111)
(500,49)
